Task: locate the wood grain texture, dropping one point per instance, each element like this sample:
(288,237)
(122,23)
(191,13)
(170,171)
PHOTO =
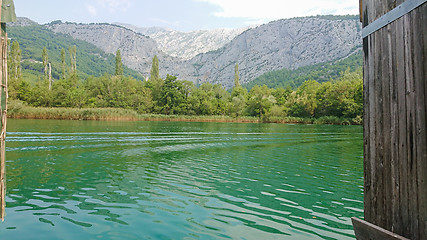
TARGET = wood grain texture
(395,121)
(367,231)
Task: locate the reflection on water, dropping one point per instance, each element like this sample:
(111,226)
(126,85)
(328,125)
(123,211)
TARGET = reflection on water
(160,180)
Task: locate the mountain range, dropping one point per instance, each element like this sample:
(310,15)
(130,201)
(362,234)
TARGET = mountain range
(211,55)
(186,45)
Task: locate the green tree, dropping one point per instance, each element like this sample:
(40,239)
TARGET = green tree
(172,100)
(76,98)
(155,73)
(236,76)
(303,102)
(73,60)
(15,71)
(63,64)
(119,64)
(238,101)
(342,98)
(45,59)
(156,83)
(40,94)
(201,100)
(282,94)
(260,101)
(220,99)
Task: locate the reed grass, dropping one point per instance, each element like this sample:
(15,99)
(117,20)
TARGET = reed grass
(18,109)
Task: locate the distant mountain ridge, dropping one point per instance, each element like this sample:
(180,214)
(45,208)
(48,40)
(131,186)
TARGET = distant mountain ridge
(186,45)
(287,43)
(32,38)
(137,50)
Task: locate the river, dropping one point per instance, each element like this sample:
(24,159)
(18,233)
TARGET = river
(179,180)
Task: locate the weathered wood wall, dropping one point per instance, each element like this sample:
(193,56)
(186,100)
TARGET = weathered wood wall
(395,147)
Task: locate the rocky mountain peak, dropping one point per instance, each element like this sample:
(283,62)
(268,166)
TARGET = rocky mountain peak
(210,56)
(186,45)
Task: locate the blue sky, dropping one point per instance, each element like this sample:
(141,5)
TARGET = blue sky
(184,15)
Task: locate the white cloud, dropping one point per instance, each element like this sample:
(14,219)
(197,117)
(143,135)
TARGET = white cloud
(114,6)
(91,10)
(276,9)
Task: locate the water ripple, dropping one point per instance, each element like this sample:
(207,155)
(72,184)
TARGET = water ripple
(198,181)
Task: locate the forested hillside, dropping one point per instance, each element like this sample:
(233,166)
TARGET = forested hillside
(321,72)
(91,61)
(286,43)
(84,76)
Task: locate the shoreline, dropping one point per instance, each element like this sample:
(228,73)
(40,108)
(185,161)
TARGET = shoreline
(21,111)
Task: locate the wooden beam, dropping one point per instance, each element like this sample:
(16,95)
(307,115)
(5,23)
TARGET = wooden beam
(367,231)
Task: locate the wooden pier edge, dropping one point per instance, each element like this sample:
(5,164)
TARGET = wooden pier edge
(368,231)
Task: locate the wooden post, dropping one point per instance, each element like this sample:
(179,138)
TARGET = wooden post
(7,14)
(395,120)
(3,112)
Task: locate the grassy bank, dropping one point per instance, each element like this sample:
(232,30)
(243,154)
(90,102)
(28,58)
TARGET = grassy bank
(17,109)
(21,111)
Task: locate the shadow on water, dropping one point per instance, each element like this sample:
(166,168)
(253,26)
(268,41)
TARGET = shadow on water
(133,180)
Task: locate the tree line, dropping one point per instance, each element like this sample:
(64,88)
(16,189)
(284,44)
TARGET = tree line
(341,98)
(321,72)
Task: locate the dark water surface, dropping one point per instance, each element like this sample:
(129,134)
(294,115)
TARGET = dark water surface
(174,180)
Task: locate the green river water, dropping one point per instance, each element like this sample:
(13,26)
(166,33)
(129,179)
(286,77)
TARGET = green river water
(178,180)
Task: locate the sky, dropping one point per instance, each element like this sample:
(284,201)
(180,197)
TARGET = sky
(183,15)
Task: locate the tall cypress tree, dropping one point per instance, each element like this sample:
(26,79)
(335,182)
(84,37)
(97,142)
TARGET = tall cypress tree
(155,74)
(45,59)
(16,59)
(15,72)
(73,59)
(236,76)
(63,63)
(155,81)
(119,64)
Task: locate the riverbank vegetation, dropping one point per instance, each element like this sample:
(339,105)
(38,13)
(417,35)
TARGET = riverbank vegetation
(119,96)
(20,110)
(321,72)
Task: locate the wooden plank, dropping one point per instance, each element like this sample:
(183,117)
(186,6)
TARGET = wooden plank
(370,198)
(380,80)
(423,185)
(394,121)
(366,126)
(402,156)
(420,29)
(367,231)
(398,2)
(367,9)
(371,10)
(386,131)
(379,139)
(388,6)
(411,121)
